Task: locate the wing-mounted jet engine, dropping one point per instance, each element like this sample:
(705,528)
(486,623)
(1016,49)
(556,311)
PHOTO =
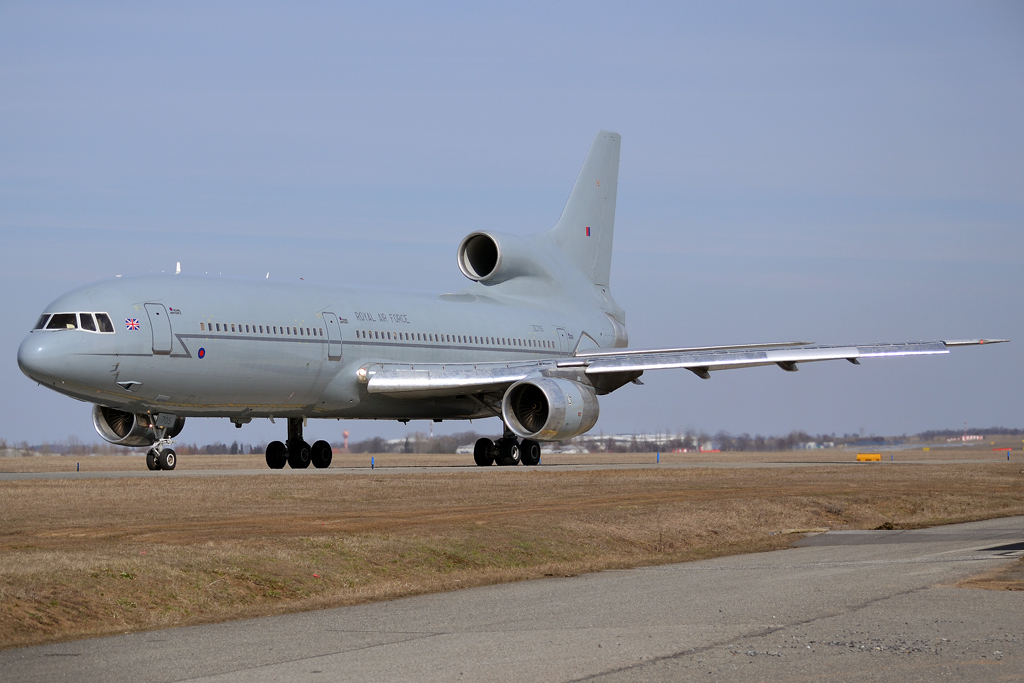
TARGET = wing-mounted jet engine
(123,428)
(549,409)
(538,409)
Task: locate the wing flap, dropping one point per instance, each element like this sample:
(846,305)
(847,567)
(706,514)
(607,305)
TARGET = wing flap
(748,358)
(448,379)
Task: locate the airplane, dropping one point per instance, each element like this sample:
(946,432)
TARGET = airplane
(535,339)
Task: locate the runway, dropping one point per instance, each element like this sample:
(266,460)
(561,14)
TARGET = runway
(446,469)
(856,605)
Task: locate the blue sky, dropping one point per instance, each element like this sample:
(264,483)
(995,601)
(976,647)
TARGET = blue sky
(832,172)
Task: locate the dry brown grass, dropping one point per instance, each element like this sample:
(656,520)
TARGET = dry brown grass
(1009,578)
(88,557)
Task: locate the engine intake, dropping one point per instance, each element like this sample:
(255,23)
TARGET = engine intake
(490,258)
(548,409)
(131,429)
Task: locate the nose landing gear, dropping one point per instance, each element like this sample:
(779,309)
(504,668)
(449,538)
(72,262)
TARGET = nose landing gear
(297,453)
(160,458)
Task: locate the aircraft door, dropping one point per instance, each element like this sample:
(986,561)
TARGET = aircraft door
(333,336)
(160,324)
(563,341)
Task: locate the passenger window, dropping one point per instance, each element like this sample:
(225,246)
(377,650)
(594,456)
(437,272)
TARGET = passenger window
(87,322)
(307,331)
(202,327)
(218,327)
(232,327)
(41,323)
(62,321)
(261,329)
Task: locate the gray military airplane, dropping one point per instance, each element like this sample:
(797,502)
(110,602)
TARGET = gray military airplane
(534,340)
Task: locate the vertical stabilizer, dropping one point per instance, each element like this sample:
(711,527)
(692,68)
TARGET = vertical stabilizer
(584,231)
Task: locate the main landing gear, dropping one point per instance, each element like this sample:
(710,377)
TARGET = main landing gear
(297,453)
(506,451)
(160,458)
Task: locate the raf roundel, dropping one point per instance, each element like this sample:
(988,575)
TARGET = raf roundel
(202,353)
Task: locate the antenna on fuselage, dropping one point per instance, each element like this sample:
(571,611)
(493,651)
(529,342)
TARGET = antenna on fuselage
(177,270)
(268,275)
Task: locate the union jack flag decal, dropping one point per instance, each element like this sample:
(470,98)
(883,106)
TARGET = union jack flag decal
(131,323)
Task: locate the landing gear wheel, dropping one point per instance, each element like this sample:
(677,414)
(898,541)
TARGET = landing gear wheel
(529,451)
(277,455)
(299,455)
(167,459)
(151,460)
(483,452)
(508,452)
(322,454)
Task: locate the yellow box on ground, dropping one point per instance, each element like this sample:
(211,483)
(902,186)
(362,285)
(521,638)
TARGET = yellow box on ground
(869,457)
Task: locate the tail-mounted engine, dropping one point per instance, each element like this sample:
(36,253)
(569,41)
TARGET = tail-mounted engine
(133,429)
(493,257)
(549,409)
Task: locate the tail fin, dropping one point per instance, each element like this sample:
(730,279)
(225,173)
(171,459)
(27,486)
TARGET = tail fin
(584,231)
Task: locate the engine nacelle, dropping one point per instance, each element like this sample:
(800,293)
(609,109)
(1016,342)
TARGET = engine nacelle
(549,409)
(493,257)
(131,429)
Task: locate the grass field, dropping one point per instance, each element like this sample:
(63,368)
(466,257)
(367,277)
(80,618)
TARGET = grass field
(91,557)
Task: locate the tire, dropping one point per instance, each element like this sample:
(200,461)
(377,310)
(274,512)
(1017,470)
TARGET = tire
(508,452)
(322,454)
(167,459)
(152,461)
(529,452)
(277,455)
(299,455)
(483,452)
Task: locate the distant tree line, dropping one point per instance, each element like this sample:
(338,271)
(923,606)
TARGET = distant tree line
(420,442)
(416,443)
(949,433)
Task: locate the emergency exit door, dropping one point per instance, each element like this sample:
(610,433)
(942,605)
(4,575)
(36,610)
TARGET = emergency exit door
(160,325)
(333,336)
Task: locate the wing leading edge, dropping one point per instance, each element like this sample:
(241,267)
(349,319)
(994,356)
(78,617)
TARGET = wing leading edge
(450,379)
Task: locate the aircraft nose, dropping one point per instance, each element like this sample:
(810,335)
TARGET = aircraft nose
(39,357)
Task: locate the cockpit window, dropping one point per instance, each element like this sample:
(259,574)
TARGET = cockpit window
(90,322)
(62,321)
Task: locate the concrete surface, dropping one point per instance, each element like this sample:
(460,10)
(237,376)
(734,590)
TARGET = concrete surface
(446,469)
(850,606)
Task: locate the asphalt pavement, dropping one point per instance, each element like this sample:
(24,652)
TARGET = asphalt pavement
(846,606)
(467,469)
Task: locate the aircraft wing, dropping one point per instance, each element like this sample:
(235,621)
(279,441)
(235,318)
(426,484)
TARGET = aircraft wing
(450,379)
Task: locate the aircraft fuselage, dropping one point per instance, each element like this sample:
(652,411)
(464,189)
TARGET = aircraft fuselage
(230,347)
